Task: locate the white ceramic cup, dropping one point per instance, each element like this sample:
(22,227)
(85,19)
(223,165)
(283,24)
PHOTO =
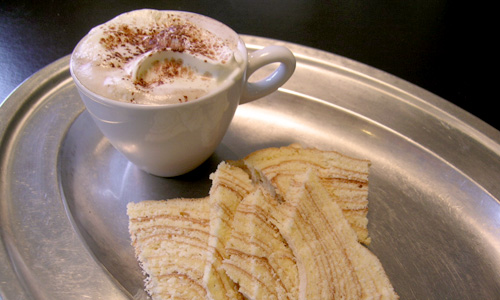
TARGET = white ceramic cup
(172,139)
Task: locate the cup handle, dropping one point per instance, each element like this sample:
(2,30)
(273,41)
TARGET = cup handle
(261,58)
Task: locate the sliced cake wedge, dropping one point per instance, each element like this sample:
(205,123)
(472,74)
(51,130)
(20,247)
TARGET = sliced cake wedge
(260,260)
(170,239)
(332,264)
(230,185)
(344,177)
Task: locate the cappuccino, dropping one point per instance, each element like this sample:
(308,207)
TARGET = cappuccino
(163,86)
(156,57)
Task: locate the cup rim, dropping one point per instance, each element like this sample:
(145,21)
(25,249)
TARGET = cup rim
(240,71)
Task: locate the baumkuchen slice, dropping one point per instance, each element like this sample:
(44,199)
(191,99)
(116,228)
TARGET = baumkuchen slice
(260,261)
(230,185)
(344,177)
(331,263)
(170,239)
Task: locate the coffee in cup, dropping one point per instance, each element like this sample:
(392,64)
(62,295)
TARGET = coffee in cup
(155,57)
(163,86)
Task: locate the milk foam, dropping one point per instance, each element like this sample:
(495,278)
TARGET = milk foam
(155,57)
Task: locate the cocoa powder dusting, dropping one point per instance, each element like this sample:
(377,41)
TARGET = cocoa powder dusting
(164,71)
(177,36)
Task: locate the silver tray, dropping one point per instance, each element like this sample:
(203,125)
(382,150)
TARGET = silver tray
(434,182)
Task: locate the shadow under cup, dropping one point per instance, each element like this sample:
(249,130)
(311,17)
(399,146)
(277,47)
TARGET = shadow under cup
(172,139)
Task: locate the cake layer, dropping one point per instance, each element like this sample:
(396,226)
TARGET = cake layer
(230,185)
(344,177)
(332,264)
(260,260)
(170,240)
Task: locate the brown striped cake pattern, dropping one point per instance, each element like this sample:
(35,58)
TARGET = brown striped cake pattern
(229,186)
(170,239)
(331,263)
(268,230)
(260,260)
(344,177)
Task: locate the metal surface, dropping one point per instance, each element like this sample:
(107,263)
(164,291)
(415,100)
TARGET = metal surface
(434,192)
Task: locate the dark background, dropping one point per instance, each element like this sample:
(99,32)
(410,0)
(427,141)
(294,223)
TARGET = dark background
(428,43)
